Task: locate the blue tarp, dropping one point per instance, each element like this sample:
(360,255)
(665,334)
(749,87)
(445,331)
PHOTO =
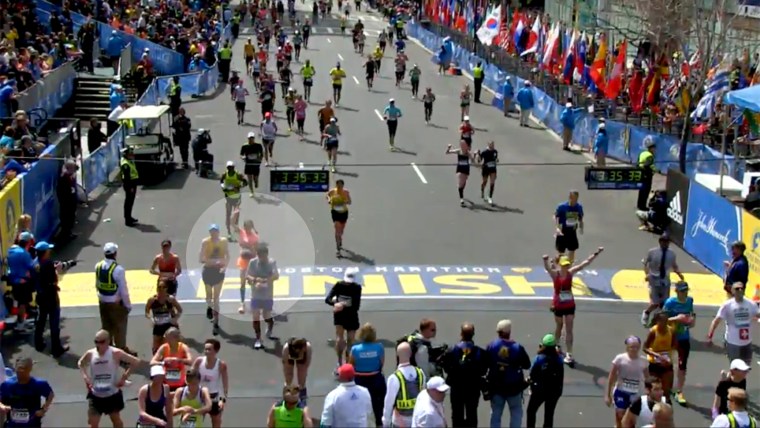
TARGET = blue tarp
(626,141)
(747,98)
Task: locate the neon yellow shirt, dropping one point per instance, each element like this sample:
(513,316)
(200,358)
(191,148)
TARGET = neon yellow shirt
(337,76)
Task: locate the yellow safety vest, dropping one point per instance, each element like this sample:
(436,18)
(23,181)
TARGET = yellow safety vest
(477,72)
(733,424)
(173,89)
(106,284)
(232,185)
(133,175)
(405,403)
(225,53)
(646,160)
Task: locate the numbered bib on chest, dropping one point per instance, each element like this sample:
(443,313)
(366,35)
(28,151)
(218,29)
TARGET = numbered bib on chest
(103,383)
(630,385)
(141,425)
(464,162)
(20,416)
(566,296)
(571,222)
(173,375)
(162,318)
(189,423)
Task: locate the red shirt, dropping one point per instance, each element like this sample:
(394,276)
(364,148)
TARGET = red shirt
(563,292)
(466,130)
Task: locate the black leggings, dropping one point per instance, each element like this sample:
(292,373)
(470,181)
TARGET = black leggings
(538,398)
(377,388)
(392,126)
(428,110)
(415,86)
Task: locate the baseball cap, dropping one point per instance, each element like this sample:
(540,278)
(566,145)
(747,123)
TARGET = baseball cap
(333,120)
(467,118)
(740,365)
(157,370)
(682,286)
(391,100)
(201,130)
(43,246)
(230,163)
(527,83)
(346,372)
(549,340)
(437,383)
(350,275)
(268,115)
(252,135)
(110,248)
(568,105)
(564,261)
(25,237)
(213,227)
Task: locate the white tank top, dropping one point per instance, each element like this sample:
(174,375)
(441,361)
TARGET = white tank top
(104,373)
(211,378)
(268,129)
(646,416)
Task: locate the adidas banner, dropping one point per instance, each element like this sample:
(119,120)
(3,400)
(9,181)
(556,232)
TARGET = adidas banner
(677,190)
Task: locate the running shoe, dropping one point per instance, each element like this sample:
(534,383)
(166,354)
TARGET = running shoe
(461,203)
(645,319)
(257,344)
(215,330)
(209,313)
(680,398)
(490,201)
(569,359)
(241,309)
(269,333)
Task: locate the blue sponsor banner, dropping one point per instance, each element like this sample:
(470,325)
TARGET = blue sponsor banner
(712,224)
(626,141)
(100,164)
(39,193)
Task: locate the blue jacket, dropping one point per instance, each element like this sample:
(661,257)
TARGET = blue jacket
(116,99)
(567,118)
(507,360)
(508,91)
(115,45)
(601,142)
(198,65)
(525,98)
(20,265)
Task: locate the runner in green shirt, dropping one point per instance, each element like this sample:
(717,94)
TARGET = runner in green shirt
(415,73)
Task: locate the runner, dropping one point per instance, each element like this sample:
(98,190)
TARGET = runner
(307,72)
(238,95)
(680,310)
(251,154)
(339,199)
(345,297)
(330,135)
(232,182)
(290,110)
(369,69)
(297,42)
(300,107)
(739,314)
(414,76)
(175,356)
(296,357)
(628,373)
(25,400)
(361,41)
(325,114)
(463,167)
(377,55)
(488,158)
(382,40)
(337,74)
(641,411)
(464,101)
(306,30)
(568,221)
(290,412)
(249,53)
(261,274)
(214,378)
(268,135)
(279,58)
(167,266)
(427,101)
(465,131)
(400,64)
(659,346)
(100,370)
(563,301)
(163,311)
(391,115)
(285,77)
(343,24)
(256,74)
(192,402)
(249,238)
(154,401)
(266,96)
(214,257)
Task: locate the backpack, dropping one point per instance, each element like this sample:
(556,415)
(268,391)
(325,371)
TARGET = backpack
(414,343)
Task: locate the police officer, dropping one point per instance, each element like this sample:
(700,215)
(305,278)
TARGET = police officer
(403,386)
(465,364)
(478,76)
(129,178)
(48,303)
(174,92)
(231,182)
(225,59)
(646,163)
(113,296)
(505,379)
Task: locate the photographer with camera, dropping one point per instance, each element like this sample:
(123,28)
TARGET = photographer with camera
(48,302)
(424,355)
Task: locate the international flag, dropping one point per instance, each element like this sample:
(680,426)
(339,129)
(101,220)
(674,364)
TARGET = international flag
(580,58)
(717,85)
(551,47)
(491,27)
(615,82)
(518,33)
(569,64)
(636,89)
(599,67)
(535,31)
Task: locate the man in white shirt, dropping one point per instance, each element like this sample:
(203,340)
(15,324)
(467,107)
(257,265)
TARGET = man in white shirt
(738,418)
(739,314)
(113,296)
(113,117)
(348,405)
(428,411)
(400,399)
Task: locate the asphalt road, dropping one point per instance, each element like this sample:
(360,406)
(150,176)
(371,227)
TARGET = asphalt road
(399,217)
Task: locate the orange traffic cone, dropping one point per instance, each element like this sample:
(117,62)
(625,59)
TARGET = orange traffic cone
(756,296)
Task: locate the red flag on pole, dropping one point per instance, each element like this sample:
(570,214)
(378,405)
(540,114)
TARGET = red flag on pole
(615,82)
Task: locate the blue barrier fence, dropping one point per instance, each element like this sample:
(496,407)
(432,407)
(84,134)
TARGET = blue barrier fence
(625,141)
(39,198)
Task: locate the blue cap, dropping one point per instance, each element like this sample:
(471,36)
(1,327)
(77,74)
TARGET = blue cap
(43,246)
(213,227)
(25,237)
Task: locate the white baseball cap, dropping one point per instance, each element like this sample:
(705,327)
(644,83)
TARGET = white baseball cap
(437,383)
(527,83)
(230,163)
(467,118)
(110,248)
(157,370)
(391,100)
(251,134)
(740,365)
(350,274)
(568,105)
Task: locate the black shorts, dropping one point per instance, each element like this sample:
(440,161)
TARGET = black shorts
(339,217)
(382,45)
(105,405)
(468,141)
(308,82)
(212,276)
(256,74)
(329,145)
(463,169)
(22,293)
(684,349)
(563,312)
(348,320)
(337,87)
(171,286)
(399,75)
(159,330)
(253,169)
(267,142)
(658,370)
(568,241)
(248,59)
(370,75)
(214,405)
(239,106)
(488,171)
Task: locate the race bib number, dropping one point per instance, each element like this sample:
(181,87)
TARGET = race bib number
(307,81)
(664,357)
(630,385)
(346,301)
(173,375)
(141,425)
(744,333)
(490,164)
(464,162)
(102,383)
(162,319)
(565,296)
(571,222)
(20,416)
(189,423)
(466,134)
(340,208)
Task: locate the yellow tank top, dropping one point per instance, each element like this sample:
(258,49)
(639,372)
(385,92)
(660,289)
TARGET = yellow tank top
(248,50)
(662,344)
(215,250)
(338,200)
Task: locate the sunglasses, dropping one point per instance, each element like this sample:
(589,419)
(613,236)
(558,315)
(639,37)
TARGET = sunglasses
(100,342)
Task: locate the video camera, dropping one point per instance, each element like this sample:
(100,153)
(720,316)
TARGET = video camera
(66,265)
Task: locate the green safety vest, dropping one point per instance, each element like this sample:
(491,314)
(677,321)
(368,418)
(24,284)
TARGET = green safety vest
(732,422)
(225,53)
(107,286)
(133,175)
(405,399)
(477,72)
(288,418)
(399,24)
(646,160)
(232,185)
(236,19)
(174,89)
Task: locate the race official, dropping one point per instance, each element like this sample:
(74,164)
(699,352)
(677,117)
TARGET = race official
(646,164)
(348,405)
(48,302)
(113,296)
(428,410)
(403,387)
(466,365)
(739,417)
(129,179)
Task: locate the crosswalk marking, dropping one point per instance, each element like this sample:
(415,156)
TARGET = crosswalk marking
(330,30)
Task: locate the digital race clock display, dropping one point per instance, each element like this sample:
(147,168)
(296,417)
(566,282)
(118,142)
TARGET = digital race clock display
(299,180)
(614,178)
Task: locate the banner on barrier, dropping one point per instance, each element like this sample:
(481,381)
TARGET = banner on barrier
(100,164)
(10,201)
(43,99)
(713,223)
(39,193)
(751,238)
(677,189)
